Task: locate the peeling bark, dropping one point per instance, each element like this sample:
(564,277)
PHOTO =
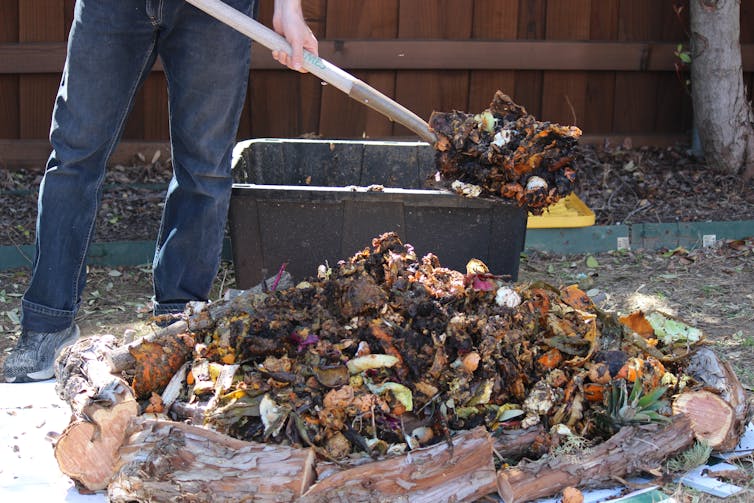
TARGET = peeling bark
(435,474)
(630,451)
(169,461)
(102,406)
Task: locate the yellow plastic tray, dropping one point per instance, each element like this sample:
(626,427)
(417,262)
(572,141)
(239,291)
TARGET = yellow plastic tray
(568,212)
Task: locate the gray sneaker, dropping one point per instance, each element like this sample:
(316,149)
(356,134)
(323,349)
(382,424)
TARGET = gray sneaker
(33,357)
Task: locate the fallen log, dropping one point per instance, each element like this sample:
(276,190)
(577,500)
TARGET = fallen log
(108,446)
(102,405)
(720,411)
(298,352)
(121,358)
(198,316)
(713,420)
(516,444)
(434,474)
(203,315)
(632,450)
(168,461)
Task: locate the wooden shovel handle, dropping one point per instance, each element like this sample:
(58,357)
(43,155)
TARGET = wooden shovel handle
(323,69)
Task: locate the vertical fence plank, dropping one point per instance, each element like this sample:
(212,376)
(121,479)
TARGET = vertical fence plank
(531,26)
(39,21)
(155,94)
(340,116)
(673,102)
(284,103)
(674,111)
(9,92)
(254,120)
(493,19)
(69,6)
(279,107)
(151,107)
(675,25)
(134,127)
(600,86)
(636,92)
(315,12)
(447,19)
(564,92)
(426,91)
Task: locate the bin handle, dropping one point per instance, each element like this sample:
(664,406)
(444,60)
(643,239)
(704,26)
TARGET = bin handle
(344,81)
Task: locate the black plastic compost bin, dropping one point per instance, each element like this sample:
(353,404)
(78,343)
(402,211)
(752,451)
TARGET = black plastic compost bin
(308,202)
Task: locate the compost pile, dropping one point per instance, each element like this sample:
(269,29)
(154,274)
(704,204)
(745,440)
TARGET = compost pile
(505,152)
(390,378)
(385,352)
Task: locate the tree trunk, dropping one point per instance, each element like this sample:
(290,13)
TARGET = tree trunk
(720,411)
(532,442)
(435,474)
(169,461)
(102,406)
(629,451)
(712,419)
(722,113)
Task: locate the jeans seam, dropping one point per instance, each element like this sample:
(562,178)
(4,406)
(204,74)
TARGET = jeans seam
(46,311)
(113,142)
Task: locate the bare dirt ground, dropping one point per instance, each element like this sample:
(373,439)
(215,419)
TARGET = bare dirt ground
(711,288)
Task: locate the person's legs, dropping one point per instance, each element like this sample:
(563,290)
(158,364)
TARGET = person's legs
(207,69)
(110,51)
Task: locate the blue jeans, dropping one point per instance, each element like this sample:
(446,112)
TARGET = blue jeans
(111,49)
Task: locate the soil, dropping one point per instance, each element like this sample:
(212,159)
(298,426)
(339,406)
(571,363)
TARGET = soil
(710,288)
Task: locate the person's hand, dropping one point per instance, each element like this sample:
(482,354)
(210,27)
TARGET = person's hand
(288,21)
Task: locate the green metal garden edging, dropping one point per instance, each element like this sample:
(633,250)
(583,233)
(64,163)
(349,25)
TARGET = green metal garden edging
(564,241)
(110,254)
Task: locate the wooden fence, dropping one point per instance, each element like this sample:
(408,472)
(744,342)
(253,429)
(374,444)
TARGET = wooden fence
(607,66)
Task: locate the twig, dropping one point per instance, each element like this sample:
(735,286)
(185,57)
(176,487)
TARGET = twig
(637,210)
(573,110)
(279,275)
(222,283)
(18,247)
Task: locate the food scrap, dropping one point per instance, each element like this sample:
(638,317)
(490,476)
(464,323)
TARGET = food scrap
(385,352)
(505,152)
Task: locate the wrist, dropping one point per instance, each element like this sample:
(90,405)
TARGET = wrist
(294,5)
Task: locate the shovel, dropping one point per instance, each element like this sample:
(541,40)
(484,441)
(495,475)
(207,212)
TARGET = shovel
(323,69)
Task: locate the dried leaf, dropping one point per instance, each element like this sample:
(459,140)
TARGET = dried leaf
(637,322)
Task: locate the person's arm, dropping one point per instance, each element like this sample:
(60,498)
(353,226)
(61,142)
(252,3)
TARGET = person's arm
(288,20)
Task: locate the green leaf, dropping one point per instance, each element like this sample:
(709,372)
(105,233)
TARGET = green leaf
(652,398)
(670,331)
(592,262)
(636,390)
(13,316)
